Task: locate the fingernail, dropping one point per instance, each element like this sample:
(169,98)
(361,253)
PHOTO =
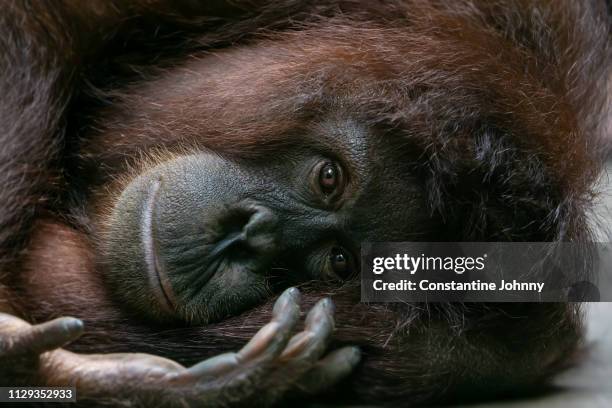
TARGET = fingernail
(72,324)
(293,292)
(354,356)
(328,305)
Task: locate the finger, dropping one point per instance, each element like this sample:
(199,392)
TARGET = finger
(330,370)
(111,374)
(267,343)
(214,366)
(48,336)
(310,344)
(271,339)
(9,322)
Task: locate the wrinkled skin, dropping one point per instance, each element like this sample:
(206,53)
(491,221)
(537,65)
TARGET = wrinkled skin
(199,230)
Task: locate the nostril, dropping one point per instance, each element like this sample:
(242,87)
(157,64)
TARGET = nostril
(262,221)
(260,232)
(235,223)
(251,227)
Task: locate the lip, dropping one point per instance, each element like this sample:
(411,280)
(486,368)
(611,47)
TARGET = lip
(158,280)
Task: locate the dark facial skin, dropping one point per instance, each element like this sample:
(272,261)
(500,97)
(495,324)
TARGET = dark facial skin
(200,237)
(293,182)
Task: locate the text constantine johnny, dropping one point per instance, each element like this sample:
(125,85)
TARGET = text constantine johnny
(426,285)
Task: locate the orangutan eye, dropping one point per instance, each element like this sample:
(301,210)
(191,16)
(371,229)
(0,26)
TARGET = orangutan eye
(329,179)
(339,262)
